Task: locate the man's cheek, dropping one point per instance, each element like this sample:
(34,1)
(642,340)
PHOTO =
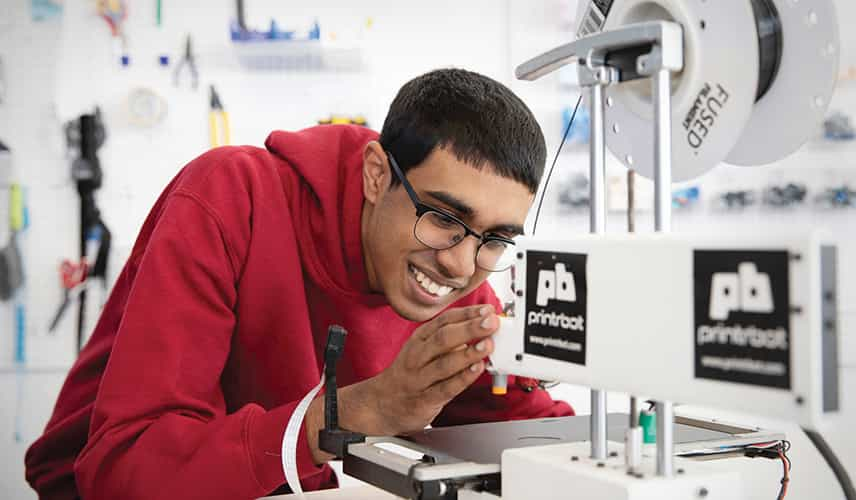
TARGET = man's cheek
(474,283)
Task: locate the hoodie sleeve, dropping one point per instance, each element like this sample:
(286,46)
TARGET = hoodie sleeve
(160,428)
(478,404)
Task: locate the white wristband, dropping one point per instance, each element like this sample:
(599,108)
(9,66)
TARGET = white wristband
(292,435)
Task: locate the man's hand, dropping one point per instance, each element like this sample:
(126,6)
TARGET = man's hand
(441,359)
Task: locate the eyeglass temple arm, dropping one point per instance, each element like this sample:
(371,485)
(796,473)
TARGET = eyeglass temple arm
(403,179)
(418,203)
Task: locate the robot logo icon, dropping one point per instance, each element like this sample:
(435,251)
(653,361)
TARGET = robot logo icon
(746,290)
(556,285)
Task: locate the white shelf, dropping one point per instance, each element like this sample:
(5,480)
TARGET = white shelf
(297,55)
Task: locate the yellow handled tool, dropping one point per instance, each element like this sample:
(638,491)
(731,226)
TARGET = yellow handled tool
(219,133)
(16,208)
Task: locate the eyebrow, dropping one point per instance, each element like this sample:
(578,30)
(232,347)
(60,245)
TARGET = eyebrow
(467,211)
(511,229)
(449,199)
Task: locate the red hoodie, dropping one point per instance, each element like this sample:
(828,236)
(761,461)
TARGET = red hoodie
(215,330)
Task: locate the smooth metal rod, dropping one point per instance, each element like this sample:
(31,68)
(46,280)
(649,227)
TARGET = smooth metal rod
(662,151)
(663,224)
(631,228)
(631,200)
(633,436)
(597,223)
(598,424)
(597,164)
(634,412)
(665,438)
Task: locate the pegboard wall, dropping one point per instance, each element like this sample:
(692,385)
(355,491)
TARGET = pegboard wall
(57,69)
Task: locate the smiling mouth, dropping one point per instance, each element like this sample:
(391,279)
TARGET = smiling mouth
(428,284)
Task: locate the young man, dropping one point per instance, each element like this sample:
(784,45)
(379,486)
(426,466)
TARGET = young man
(216,327)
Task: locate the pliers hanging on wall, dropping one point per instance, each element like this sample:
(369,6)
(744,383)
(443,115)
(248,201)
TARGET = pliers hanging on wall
(190,61)
(73,283)
(219,132)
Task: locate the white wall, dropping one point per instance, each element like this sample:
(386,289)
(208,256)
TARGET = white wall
(58,69)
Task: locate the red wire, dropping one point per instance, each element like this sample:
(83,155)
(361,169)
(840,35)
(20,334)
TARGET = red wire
(787,475)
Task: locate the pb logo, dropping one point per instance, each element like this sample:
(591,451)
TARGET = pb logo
(556,285)
(746,290)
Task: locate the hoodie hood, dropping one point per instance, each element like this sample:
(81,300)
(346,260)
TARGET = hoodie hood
(329,199)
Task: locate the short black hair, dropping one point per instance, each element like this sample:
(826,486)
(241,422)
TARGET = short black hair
(477,118)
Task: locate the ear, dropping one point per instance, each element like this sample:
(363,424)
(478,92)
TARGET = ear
(376,173)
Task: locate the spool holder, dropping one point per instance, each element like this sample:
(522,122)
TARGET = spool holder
(644,50)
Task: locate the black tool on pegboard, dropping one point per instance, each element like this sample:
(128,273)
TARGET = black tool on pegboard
(87,134)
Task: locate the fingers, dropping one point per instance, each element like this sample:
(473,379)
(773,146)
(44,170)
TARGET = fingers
(453,362)
(452,316)
(452,335)
(444,391)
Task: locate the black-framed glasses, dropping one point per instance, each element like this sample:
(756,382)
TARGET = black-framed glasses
(440,230)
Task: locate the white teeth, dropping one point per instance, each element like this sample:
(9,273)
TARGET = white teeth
(429,285)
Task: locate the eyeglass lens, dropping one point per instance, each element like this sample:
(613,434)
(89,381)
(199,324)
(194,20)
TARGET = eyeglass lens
(440,232)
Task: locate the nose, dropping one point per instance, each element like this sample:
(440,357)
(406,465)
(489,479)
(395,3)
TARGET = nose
(459,262)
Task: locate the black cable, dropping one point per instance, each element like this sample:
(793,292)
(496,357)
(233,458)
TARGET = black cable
(545,384)
(555,159)
(786,446)
(242,23)
(834,464)
(774,451)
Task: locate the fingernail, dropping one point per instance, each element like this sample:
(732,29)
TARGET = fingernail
(484,311)
(480,346)
(475,367)
(487,322)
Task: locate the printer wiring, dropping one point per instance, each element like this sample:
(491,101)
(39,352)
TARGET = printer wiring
(553,166)
(774,450)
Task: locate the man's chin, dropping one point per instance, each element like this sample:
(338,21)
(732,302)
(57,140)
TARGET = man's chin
(415,312)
